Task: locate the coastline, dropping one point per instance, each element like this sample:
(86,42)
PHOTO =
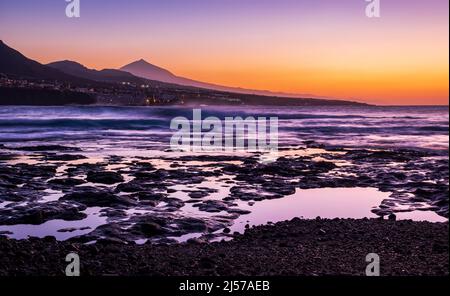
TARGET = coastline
(130,206)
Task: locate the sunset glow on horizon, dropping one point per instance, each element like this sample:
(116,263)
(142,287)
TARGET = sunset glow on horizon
(327,48)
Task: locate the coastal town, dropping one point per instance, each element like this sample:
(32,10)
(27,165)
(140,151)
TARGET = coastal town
(123,93)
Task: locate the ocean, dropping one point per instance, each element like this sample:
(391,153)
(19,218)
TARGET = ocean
(103,128)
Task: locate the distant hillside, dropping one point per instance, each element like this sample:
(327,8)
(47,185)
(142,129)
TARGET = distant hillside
(106,75)
(13,63)
(163,86)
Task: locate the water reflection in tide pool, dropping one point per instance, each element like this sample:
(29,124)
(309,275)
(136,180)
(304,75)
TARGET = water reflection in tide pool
(54,227)
(328,203)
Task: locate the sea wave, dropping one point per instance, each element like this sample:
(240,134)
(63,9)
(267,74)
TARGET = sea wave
(418,127)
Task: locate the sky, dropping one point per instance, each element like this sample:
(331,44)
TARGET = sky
(327,48)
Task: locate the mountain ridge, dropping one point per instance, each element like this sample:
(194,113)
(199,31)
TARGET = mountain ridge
(142,68)
(105,75)
(142,90)
(136,72)
(12,62)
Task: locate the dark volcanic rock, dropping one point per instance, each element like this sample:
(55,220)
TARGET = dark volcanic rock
(39,213)
(132,186)
(238,211)
(83,168)
(198,194)
(104,177)
(98,199)
(406,248)
(417,179)
(7,156)
(64,157)
(41,148)
(11,196)
(212,206)
(67,182)
(149,195)
(150,229)
(27,171)
(191,224)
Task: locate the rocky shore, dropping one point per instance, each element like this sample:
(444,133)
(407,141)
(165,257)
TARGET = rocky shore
(151,198)
(125,215)
(296,247)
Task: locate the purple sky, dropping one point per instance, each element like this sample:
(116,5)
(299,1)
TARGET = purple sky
(325,47)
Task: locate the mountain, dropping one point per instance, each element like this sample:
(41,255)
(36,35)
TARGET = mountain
(14,63)
(144,69)
(163,85)
(106,75)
